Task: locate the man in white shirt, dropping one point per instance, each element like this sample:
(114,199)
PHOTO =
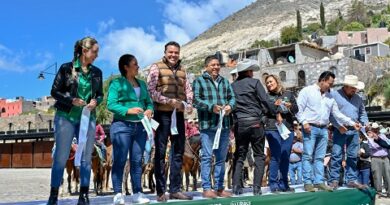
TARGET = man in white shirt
(315,106)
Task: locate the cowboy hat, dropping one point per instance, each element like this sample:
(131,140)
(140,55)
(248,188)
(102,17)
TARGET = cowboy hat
(375,125)
(234,71)
(352,80)
(247,64)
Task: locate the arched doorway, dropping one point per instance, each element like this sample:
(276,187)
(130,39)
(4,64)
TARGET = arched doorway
(301,78)
(282,76)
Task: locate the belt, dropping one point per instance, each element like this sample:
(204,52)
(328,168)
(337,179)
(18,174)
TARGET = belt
(380,157)
(318,125)
(350,127)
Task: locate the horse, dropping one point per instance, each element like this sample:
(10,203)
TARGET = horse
(266,166)
(72,171)
(191,160)
(148,172)
(97,169)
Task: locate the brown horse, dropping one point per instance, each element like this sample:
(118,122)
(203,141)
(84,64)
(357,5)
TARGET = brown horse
(191,160)
(266,167)
(101,172)
(108,166)
(97,169)
(148,172)
(72,171)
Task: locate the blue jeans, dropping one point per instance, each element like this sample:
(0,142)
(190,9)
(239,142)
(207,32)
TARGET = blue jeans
(127,137)
(314,149)
(64,131)
(280,159)
(364,176)
(351,140)
(295,167)
(207,139)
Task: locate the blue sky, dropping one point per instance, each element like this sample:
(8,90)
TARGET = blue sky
(36,34)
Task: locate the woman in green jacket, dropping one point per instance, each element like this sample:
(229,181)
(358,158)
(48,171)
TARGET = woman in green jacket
(129,100)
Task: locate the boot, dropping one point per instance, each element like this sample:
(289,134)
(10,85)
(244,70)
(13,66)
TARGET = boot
(83,197)
(257,190)
(53,198)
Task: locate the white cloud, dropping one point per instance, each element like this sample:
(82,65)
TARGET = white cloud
(133,41)
(105,25)
(15,61)
(176,33)
(183,20)
(196,17)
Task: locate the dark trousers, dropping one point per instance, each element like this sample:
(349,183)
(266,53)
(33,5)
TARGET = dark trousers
(245,133)
(280,159)
(177,150)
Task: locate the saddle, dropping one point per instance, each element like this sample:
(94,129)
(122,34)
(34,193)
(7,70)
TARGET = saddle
(99,154)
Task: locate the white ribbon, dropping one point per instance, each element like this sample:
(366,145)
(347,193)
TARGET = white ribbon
(218,133)
(283,130)
(84,125)
(147,126)
(174,120)
(173,123)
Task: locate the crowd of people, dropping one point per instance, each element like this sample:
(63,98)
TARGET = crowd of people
(297,129)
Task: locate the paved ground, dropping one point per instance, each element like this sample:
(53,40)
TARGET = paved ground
(32,186)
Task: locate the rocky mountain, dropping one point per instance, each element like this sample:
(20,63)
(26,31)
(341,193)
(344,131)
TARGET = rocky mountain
(262,19)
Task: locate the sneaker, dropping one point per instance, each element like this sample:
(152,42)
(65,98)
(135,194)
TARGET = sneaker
(334,185)
(322,186)
(309,188)
(119,199)
(139,198)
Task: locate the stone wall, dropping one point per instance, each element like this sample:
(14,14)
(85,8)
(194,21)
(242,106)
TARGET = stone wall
(345,66)
(21,122)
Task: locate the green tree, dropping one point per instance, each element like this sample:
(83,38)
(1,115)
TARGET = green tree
(299,24)
(358,13)
(334,26)
(354,26)
(103,115)
(313,27)
(322,16)
(264,44)
(289,35)
(387,41)
(387,93)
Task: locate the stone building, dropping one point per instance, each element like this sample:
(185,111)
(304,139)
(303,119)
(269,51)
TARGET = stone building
(31,122)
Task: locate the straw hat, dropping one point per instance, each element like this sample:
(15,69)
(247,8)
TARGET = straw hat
(352,80)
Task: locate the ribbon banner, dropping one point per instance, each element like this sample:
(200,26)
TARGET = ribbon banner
(84,125)
(218,133)
(149,126)
(173,123)
(283,130)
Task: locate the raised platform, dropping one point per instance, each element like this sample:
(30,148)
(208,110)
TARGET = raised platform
(342,196)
